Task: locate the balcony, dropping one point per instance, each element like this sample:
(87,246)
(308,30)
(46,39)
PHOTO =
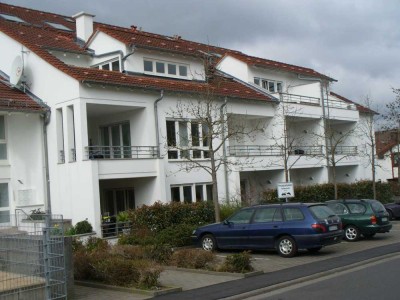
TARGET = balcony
(340,104)
(343,150)
(121,152)
(306,150)
(254,150)
(293,98)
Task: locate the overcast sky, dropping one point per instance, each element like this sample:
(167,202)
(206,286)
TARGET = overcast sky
(355,42)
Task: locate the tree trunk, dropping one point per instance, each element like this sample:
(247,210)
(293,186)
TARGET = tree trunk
(215,189)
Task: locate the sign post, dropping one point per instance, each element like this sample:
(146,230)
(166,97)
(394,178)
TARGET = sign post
(285,190)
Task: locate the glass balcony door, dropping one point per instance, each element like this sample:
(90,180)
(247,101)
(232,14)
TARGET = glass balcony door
(116,142)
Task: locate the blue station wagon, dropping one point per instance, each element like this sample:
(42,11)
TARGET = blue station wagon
(286,227)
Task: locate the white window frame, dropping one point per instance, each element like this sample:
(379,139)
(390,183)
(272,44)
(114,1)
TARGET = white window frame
(193,189)
(109,63)
(165,73)
(6,208)
(180,149)
(4,141)
(265,82)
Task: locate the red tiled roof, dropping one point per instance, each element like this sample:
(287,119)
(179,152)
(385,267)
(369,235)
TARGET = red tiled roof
(385,140)
(359,107)
(12,99)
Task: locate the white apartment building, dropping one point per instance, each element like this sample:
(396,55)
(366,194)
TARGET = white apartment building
(116,142)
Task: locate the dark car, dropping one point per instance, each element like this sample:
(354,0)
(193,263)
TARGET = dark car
(361,217)
(285,227)
(393,210)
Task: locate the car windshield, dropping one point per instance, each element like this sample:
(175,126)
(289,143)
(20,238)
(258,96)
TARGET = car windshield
(377,206)
(321,211)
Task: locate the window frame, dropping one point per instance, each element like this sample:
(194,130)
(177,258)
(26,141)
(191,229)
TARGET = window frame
(6,208)
(109,63)
(3,141)
(166,67)
(193,189)
(265,84)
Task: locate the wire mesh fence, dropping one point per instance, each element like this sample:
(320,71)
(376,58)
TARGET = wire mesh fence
(32,264)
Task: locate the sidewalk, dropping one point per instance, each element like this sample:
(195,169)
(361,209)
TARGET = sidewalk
(207,286)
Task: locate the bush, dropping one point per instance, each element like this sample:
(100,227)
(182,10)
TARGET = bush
(176,236)
(237,263)
(158,252)
(228,209)
(96,244)
(83,227)
(141,236)
(193,258)
(160,216)
(324,192)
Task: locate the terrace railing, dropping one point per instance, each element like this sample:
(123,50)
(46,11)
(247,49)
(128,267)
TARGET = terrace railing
(121,152)
(293,98)
(343,150)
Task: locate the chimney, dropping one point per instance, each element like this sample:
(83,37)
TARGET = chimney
(84,25)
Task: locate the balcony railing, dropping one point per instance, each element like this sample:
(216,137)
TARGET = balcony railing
(254,150)
(72,155)
(306,150)
(340,104)
(292,98)
(121,152)
(61,156)
(344,150)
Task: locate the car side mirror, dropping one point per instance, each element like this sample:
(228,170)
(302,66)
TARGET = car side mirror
(226,222)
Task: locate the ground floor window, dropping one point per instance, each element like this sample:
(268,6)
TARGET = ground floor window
(4,203)
(193,192)
(116,201)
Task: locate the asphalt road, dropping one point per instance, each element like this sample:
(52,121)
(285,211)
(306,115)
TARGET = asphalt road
(378,280)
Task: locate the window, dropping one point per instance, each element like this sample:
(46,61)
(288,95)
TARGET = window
(12,18)
(162,68)
(4,203)
(110,66)
(338,208)
(60,135)
(272,86)
(58,26)
(188,193)
(356,208)
(293,214)
(187,139)
(3,142)
(268,214)
(117,200)
(116,141)
(242,216)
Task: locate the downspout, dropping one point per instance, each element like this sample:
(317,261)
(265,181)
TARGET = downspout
(156,122)
(46,121)
(221,110)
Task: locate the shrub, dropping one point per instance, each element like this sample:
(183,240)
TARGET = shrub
(70,231)
(228,209)
(193,258)
(176,236)
(237,263)
(83,227)
(160,253)
(141,236)
(96,244)
(149,273)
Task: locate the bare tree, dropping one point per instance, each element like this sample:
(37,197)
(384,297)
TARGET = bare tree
(392,120)
(367,131)
(204,126)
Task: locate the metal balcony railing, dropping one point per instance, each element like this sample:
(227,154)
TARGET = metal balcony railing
(306,150)
(121,152)
(343,150)
(72,157)
(292,98)
(340,104)
(254,150)
(61,156)
(114,228)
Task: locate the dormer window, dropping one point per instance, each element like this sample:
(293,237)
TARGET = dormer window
(272,86)
(110,66)
(164,68)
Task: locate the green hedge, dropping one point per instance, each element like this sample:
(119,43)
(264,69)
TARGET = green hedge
(160,216)
(324,192)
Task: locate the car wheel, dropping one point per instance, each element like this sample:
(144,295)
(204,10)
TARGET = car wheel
(368,235)
(390,215)
(286,246)
(208,242)
(351,233)
(314,250)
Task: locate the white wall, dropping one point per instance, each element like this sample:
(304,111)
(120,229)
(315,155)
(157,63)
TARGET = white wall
(234,67)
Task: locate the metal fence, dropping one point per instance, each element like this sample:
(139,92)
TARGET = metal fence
(114,228)
(32,264)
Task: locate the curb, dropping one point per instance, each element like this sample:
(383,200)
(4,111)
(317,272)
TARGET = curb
(154,293)
(207,272)
(309,278)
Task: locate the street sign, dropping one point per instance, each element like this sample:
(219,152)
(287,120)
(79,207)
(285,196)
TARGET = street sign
(285,190)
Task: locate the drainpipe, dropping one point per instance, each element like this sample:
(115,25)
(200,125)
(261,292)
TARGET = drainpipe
(221,110)
(46,121)
(156,122)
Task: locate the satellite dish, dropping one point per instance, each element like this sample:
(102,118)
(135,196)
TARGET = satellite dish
(17,69)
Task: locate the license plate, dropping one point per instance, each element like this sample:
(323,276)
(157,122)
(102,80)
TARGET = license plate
(333,227)
(384,219)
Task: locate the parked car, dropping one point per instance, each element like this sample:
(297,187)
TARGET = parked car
(285,227)
(361,217)
(393,210)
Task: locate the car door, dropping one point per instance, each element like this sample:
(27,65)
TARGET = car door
(234,233)
(263,228)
